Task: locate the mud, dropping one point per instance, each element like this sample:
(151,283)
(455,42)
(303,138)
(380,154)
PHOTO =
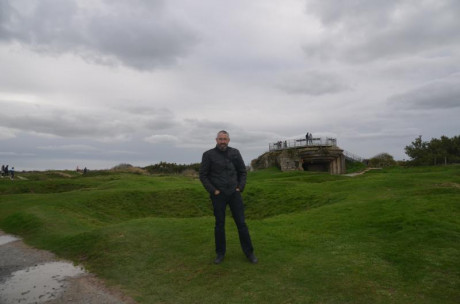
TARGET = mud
(28,275)
(38,283)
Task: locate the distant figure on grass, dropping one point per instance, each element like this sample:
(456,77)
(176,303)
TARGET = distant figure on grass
(223,174)
(12,173)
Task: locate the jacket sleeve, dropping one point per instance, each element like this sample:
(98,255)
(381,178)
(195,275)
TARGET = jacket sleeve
(241,171)
(205,169)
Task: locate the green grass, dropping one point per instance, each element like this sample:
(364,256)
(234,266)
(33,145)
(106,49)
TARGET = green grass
(388,236)
(354,166)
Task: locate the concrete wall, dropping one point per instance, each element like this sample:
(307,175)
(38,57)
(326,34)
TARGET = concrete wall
(312,158)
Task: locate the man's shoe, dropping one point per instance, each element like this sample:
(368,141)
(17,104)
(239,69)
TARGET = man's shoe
(252,258)
(219,259)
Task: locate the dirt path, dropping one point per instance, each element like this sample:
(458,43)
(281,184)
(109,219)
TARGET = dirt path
(29,275)
(362,172)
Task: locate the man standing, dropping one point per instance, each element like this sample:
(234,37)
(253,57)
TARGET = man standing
(223,174)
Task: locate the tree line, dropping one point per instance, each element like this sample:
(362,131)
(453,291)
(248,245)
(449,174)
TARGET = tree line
(171,168)
(444,150)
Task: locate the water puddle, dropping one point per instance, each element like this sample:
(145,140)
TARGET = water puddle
(5,239)
(37,284)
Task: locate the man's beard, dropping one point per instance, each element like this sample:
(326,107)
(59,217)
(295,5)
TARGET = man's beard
(222,147)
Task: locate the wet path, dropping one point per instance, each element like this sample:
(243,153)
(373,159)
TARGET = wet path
(28,275)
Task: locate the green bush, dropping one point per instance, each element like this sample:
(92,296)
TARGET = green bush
(171,168)
(382,160)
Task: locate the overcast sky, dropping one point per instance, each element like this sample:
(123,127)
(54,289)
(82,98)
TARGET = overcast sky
(97,83)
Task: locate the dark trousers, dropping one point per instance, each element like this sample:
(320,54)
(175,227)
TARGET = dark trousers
(235,202)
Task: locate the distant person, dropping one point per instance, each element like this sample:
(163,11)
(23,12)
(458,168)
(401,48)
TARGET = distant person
(12,173)
(306,138)
(85,170)
(3,170)
(223,175)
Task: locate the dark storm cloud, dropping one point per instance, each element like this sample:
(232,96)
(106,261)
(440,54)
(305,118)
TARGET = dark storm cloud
(360,31)
(441,94)
(139,34)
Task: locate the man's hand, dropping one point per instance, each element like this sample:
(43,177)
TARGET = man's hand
(216,192)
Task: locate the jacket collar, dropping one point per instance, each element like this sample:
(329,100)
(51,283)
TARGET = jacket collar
(219,150)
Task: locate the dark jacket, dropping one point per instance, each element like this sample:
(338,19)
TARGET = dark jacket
(223,170)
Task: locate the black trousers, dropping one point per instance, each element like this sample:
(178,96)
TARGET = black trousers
(235,202)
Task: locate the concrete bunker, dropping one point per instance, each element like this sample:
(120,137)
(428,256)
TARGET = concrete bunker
(316,155)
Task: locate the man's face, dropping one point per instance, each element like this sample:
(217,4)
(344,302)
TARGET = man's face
(222,141)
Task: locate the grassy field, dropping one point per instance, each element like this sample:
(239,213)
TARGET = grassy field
(388,236)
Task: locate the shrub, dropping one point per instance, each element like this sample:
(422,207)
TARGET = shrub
(382,160)
(171,168)
(128,168)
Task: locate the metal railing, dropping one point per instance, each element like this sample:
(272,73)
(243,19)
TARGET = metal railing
(352,156)
(303,142)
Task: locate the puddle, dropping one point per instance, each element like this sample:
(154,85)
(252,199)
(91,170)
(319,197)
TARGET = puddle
(37,284)
(5,239)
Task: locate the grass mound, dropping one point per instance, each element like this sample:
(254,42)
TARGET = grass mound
(388,236)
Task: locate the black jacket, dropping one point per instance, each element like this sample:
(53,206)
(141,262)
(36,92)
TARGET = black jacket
(223,170)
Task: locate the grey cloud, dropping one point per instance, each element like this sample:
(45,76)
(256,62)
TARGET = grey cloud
(6,133)
(6,154)
(159,123)
(144,110)
(313,83)
(117,124)
(54,121)
(208,124)
(83,149)
(161,139)
(352,13)
(140,34)
(441,94)
(70,126)
(150,117)
(75,147)
(201,133)
(361,31)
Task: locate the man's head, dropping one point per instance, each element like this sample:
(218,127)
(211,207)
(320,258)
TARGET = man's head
(222,140)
